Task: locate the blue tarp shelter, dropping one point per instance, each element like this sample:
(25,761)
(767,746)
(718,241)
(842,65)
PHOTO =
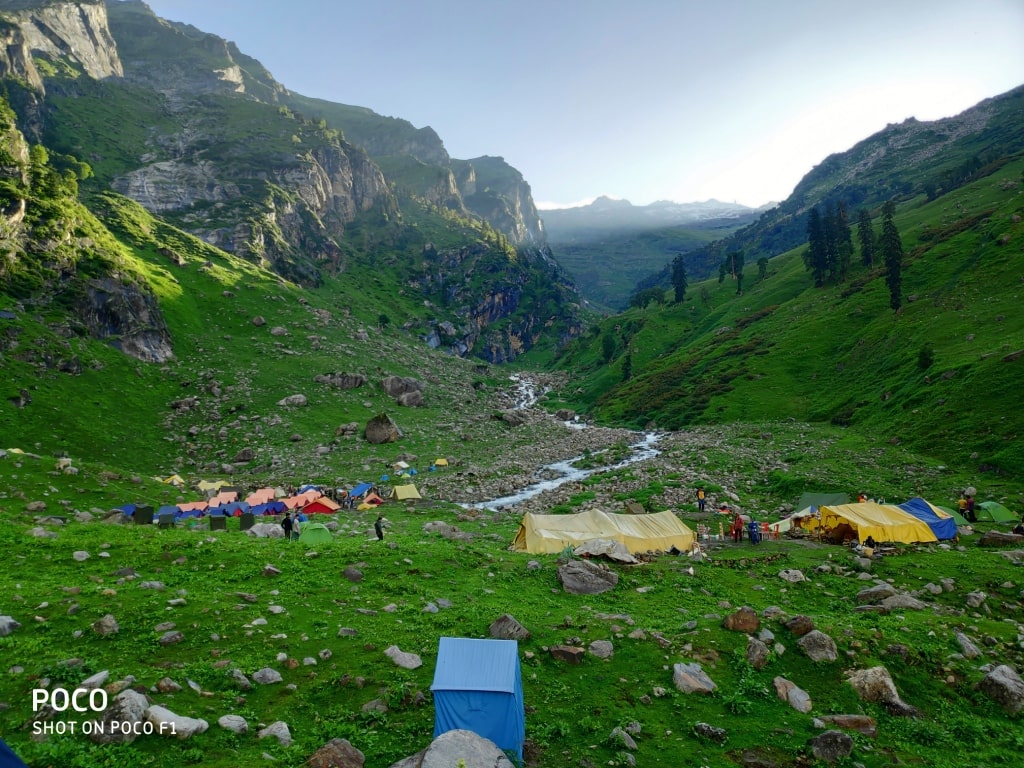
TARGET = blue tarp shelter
(128,509)
(942,525)
(478,687)
(360,490)
(231,509)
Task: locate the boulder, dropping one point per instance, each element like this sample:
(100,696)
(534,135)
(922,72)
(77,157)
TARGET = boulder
(743,620)
(342,380)
(1004,686)
(381,429)
(818,646)
(337,753)
(603,649)
(106,626)
(831,746)
(796,697)
(506,627)
(570,654)
(800,625)
(876,685)
(129,706)
(293,401)
(167,723)
(8,625)
(903,602)
(411,399)
(402,658)
(277,730)
(691,678)
(860,723)
(758,654)
(396,386)
(1000,539)
(582,577)
(463,748)
(875,594)
(711,733)
(234,723)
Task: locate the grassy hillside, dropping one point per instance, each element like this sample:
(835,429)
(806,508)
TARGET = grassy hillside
(938,374)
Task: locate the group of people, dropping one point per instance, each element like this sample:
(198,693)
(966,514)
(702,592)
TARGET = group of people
(293,525)
(966,507)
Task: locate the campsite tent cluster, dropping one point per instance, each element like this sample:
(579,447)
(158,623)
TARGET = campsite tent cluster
(224,499)
(915,520)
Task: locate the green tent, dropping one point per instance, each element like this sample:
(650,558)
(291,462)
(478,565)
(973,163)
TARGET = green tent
(314,534)
(960,519)
(995,512)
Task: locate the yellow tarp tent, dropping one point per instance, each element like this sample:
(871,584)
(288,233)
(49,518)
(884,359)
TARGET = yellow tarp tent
(403,492)
(440,462)
(639,533)
(882,522)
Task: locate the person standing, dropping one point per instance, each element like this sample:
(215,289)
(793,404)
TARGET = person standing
(970,510)
(700,499)
(286,524)
(378,527)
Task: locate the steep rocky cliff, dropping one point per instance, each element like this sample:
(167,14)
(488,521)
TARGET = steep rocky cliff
(73,30)
(202,135)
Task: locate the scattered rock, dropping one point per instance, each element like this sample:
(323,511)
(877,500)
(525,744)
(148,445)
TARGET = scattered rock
(818,646)
(758,654)
(8,625)
(875,684)
(337,753)
(106,626)
(831,746)
(267,676)
(506,627)
(875,594)
(128,707)
(570,654)
(860,723)
(582,577)
(381,429)
(800,625)
(691,678)
(403,659)
(711,733)
(1004,686)
(603,649)
(277,730)
(743,620)
(234,723)
(796,697)
(167,723)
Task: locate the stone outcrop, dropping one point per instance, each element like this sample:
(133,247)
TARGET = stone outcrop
(381,429)
(582,577)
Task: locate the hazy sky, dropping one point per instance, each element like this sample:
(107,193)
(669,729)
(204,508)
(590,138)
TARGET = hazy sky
(645,100)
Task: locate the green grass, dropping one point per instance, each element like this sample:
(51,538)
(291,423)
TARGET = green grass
(571,709)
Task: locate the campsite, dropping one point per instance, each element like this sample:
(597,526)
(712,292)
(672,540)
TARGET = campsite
(203,614)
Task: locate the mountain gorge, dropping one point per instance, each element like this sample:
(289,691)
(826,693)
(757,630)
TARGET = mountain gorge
(202,135)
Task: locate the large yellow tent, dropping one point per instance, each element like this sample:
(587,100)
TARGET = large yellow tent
(402,492)
(882,522)
(639,533)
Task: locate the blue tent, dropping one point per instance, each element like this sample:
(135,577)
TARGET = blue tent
(128,509)
(359,490)
(944,528)
(478,687)
(8,759)
(270,508)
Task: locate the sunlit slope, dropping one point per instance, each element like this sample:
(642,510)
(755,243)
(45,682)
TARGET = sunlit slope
(941,373)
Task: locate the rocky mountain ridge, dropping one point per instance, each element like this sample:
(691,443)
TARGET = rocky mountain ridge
(202,135)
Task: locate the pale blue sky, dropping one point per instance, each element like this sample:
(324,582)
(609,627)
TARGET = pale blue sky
(642,100)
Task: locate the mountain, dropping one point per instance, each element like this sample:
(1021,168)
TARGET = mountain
(610,245)
(899,162)
(935,375)
(201,135)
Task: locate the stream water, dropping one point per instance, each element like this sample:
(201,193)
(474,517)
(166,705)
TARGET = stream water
(642,450)
(526,395)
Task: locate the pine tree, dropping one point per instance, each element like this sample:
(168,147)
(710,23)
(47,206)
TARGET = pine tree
(816,256)
(830,226)
(844,243)
(679,278)
(866,236)
(891,248)
(736,262)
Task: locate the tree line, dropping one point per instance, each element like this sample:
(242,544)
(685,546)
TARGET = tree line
(830,247)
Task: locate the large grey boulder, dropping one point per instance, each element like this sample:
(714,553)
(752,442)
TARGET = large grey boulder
(876,685)
(341,380)
(831,746)
(875,594)
(396,386)
(337,753)
(582,577)
(8,625)
(381,429)
(691,678)
(128,708)
(167,723)
(466,748)
(1004,686)
(506,627)
(403,659)
(818,646)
